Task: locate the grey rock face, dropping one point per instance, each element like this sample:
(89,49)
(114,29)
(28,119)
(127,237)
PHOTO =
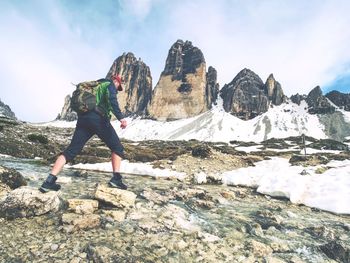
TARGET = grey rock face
(137,83)
(183,58)
(244,97)
(318,104)
(342,100)
(5,111)
(297,98)
(184,88)
(274,91)
(27,202)
(212,88)
(67,113)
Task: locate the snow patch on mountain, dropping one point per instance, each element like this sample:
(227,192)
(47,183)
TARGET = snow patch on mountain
(282,121)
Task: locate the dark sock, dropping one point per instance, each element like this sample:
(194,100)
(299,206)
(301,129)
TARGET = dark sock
(117,175)
(51,179)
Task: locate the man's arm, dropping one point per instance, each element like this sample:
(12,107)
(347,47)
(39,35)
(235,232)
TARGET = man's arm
(114,102)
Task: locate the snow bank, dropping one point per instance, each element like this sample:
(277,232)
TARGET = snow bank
(329,191)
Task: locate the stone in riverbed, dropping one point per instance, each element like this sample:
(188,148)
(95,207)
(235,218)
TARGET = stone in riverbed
(4,189)
(11,177)
(115,197)
(82,206)
(74,222)
(116,215)
(27,202)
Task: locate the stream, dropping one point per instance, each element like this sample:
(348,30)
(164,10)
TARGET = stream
(175,221)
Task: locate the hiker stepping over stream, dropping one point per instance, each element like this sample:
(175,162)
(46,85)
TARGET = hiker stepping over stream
(93,101)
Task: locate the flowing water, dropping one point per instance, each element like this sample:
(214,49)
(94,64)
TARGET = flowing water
(181,223)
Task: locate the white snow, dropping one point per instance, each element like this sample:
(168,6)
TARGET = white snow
(328,191)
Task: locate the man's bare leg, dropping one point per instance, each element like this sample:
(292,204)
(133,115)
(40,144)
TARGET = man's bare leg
(57,167)
(116,180)
(116,161)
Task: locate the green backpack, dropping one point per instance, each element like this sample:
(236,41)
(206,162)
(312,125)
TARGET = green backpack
(85,97)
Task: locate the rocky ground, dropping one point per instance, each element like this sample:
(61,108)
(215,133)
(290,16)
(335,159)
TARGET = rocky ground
(162,220)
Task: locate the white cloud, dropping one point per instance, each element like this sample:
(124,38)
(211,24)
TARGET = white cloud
(303,48)
(38,66)
(43,50)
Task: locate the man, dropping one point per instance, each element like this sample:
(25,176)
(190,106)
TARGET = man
(90,123)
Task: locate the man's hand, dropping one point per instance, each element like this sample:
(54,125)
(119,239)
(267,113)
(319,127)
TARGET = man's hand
(123,123)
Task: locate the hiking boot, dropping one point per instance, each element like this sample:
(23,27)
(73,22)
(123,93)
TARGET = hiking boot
(50,184)
(116,182)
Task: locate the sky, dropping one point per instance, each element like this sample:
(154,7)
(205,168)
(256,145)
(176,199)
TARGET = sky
(47,45)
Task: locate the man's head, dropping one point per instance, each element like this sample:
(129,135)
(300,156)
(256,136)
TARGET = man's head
(117,80)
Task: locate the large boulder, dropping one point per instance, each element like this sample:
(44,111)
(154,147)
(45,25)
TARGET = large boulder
(342,100)
(27,202)
(244,96)
(184,88)
(137,83)
(318,104)
(11,177)
(115,197)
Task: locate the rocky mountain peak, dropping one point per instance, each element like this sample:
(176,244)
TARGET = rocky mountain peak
(318,104)
(183,58)
(184,88)
(6,112)
(137,83)
(137,87)
(247,75)
(274,91)
(244,96)
(340,99)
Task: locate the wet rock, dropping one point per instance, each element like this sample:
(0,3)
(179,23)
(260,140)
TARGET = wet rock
(100,254)
(82,206)
(337,251)
(258,249)
(115,197)
(73,222)
(27,202)
(116,215)
(11,177)
(154,197)
(320,231)
(267,219)
(4,189)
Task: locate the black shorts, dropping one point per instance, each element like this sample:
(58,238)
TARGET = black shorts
(89,124)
